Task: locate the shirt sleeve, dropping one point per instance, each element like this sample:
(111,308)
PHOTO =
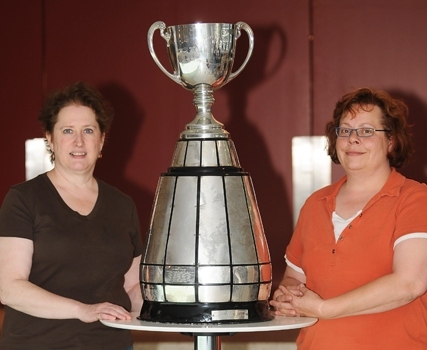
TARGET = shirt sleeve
(293,266)
(411,214)
(410,236)
(295,247)
(137,238)
(16,219)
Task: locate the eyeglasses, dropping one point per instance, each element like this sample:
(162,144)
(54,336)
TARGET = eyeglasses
(361,132)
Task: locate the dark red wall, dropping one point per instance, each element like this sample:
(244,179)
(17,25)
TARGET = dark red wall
(20,85)
(307,54)
(381,44)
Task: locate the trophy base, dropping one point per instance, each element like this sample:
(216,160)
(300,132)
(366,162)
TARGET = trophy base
(237,312)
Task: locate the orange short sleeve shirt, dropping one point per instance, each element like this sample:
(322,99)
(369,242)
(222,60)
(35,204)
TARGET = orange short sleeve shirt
(362,253)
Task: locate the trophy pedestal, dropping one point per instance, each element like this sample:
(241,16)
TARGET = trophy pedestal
(255,311)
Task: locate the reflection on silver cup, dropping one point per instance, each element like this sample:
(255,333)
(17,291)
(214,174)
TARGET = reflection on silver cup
(202,57)
(201,53)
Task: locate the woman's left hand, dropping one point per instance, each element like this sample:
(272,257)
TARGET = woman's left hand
(308,303)
(103,311)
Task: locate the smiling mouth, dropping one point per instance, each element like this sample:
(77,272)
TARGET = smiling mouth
(78,153)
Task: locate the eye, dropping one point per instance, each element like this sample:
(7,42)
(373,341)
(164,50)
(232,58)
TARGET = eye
(344,131)
(367,131)
(67,131)
(88,131)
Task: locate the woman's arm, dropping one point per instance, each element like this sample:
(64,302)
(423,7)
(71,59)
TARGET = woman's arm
(20,294)
(132,284)
(407,282)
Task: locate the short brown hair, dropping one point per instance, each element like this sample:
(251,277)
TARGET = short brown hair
(394,119)
(78,93)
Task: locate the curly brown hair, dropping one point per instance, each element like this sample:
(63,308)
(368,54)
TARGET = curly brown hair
(78,93)
(394,119)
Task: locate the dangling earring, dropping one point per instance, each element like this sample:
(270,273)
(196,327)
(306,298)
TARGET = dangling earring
(100,155)
(52,154)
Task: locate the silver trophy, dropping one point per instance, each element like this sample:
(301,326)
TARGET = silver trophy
(206,257)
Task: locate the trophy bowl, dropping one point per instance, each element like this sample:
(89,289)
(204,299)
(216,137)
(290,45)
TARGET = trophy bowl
(202,57)
(201,53)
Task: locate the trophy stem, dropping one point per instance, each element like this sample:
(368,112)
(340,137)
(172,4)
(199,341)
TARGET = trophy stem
(204,124)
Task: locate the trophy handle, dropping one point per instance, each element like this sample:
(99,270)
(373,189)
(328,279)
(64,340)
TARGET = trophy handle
(165,35)
(248,30)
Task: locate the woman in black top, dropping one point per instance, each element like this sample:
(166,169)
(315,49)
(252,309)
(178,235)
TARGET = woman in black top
(70,244)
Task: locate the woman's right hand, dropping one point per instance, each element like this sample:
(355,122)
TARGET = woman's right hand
(102,311)
(281,300)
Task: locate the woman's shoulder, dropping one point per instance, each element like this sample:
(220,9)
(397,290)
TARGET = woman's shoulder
(33,185)
(25,195)
(411,185)
(406,189)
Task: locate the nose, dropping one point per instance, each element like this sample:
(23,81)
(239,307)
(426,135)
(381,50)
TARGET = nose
(78,140)
(353,137)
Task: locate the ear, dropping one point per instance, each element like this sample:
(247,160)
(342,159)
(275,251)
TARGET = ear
(102,140)
(48,137)
(390,144)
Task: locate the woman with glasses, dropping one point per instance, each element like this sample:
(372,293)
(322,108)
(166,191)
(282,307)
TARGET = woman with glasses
(358,257)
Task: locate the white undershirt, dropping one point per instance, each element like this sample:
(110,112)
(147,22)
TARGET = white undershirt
(340,224)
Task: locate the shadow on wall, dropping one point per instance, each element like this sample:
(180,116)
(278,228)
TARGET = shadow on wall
(417,168)
(119,147)
(270,190)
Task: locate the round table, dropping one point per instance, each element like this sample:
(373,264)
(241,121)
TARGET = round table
(206,335)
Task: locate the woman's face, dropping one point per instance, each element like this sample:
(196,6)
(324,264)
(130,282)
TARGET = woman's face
(363,153)
(76,139)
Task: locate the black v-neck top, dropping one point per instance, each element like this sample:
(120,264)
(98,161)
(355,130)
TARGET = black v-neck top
(75,256)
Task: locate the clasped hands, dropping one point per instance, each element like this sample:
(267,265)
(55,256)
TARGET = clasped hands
(296,300)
